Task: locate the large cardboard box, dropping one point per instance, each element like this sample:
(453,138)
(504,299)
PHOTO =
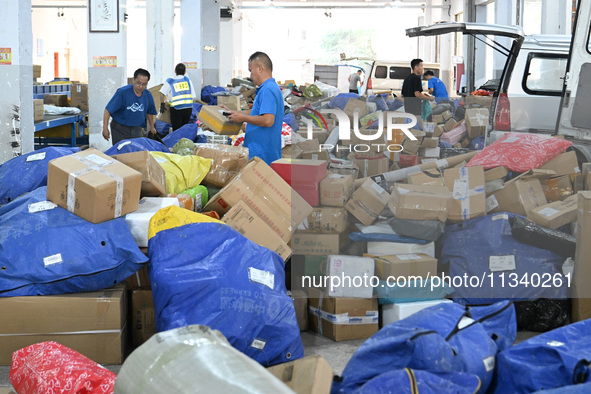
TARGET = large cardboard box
(426,177)
(336,189)
(212,116)
(164,116)
(96,195)
(558,188)
(586,168)
(581,295)
(38,110)
(499,172)
(483,101)
(519,196)
(326,220)
(555,214)
(153,175)
(300,304)
(267,194)
(420,202)
(357,317)
(476,121)
(405,265)
(36,71)
(355,106)
(317,155)
(243,219)
(226,162)
(318,244)
(79,96)
(353,275)
(232,102)
(142,321)
(309,192)
(90,323)
(396,248)
(367,202)
(155,91)
(370,167)
(59,100)
(308,375)
(449,125)
(563,164)
(300,171)
(467,187)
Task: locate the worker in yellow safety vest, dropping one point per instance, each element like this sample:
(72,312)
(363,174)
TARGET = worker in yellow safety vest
(179,92)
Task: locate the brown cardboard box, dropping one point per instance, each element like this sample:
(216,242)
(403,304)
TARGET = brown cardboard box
(426,177)
(586,168)
(36,71)
(153,175)
(90,323)
(226,162)
(370,167)
(367,202)
(164,116)
(316,155)
(467,187)
(243,219)
(405,265)
(336,189)
(476,121)
(354,105)
(563,164)
(155,90)
(300,303)
(362,315)
(318,244)
(317,134)
(581,295)
(327,220)
(420,202)
(558,188)
(578,183)
(38,110)
(291,152)
(59,100)
(519,196)
(95,197)
(139,280)
(142,322)
(555,214)
(232,102)
(483,101)
(449,125)
(430,142)
(495,173)
(212,117)
(312,145)
(79,96)
(279,206)
(447,115)
(308,375)
(442,117)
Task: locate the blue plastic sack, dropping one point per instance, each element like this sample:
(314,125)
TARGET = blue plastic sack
(19,176)
(136,145)
(188,131)
(380,101)
(499,320)
(207,94)
(57,252)
(471,248)
(394,104)
(358,236)
(477,143)
(195,112)
(416,381)
(340,100)
(551,360)
(206,273)
(291,120)
(162,128)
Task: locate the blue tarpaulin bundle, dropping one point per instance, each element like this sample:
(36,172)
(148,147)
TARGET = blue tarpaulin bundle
(207,94)
(411,381)
(26,173)
(551,360)
(56,252)
(291,120)
(188,131)
(341,100)
(443,339)
(485,250)
(136,145)
(162,128)
(380,101)
(209,274)
(195,113)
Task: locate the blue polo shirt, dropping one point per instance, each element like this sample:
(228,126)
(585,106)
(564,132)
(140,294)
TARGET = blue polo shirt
(130,110)
(439,89)
(265,142)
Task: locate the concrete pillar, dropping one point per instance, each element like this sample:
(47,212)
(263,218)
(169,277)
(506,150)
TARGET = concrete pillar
(210,41)
(17,128)
(110,48)
(225,51)
(240,68)
(160,40)
(554,19)
(191,42)
(428,52)
(505,14)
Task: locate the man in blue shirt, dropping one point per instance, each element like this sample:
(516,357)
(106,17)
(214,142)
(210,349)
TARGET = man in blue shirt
(265,119)
(129,107)
(436,86)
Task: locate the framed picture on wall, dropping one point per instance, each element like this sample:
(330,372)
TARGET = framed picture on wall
(103,16)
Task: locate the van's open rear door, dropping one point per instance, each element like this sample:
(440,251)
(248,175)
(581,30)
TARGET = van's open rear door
(575,110)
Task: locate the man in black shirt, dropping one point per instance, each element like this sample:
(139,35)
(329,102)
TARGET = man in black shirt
(412,89)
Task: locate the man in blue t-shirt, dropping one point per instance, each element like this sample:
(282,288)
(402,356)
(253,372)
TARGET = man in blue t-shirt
(129,107)
(265,119)
(436,86)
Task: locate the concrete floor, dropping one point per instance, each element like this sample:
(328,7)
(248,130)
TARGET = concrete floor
(336,353)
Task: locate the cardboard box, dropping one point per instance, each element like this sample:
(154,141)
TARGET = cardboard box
(408,160)
(139,220)
(420,202)
(153,175)
(586,167)
(226,162)
(59,100)
(336,189)
(442,117)
(318,244)
(455,135)
(155,91)
(311,266)
(326,220)
(555,214)
(353,267)
(426,177)
(449,125)
(36,71)
(519,196)
(267,194)
(429,128)
(476,121)
(563,164)
(430,153)
(396,248)
(370,167)
(164,116)
(212,117)
(392,313)
(291,152)
(499,172)
(142,322)
(430,142)
(79,96)
(300,304)
(312,145)
(342,319)
(90,323)
(467,187)
(317,134)
(232,102)
(243,219)
(38,110)
(367,202)
(581,295)
(309,192)
(355,106)
(95,196)
(300,171)
(308,375)
(317,155)
(139,280)
(405,265)
(557,189)
(476,100)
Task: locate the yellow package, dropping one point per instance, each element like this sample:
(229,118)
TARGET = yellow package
(173,216)
(182,172)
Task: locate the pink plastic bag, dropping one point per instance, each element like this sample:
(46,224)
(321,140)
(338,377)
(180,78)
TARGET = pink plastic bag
(49,367)
(520,152)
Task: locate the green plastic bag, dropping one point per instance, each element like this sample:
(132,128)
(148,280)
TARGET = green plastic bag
(183,147)
(312,91)
(200,195)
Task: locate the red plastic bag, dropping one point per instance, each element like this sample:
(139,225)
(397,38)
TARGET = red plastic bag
(49,367)
(520,152)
